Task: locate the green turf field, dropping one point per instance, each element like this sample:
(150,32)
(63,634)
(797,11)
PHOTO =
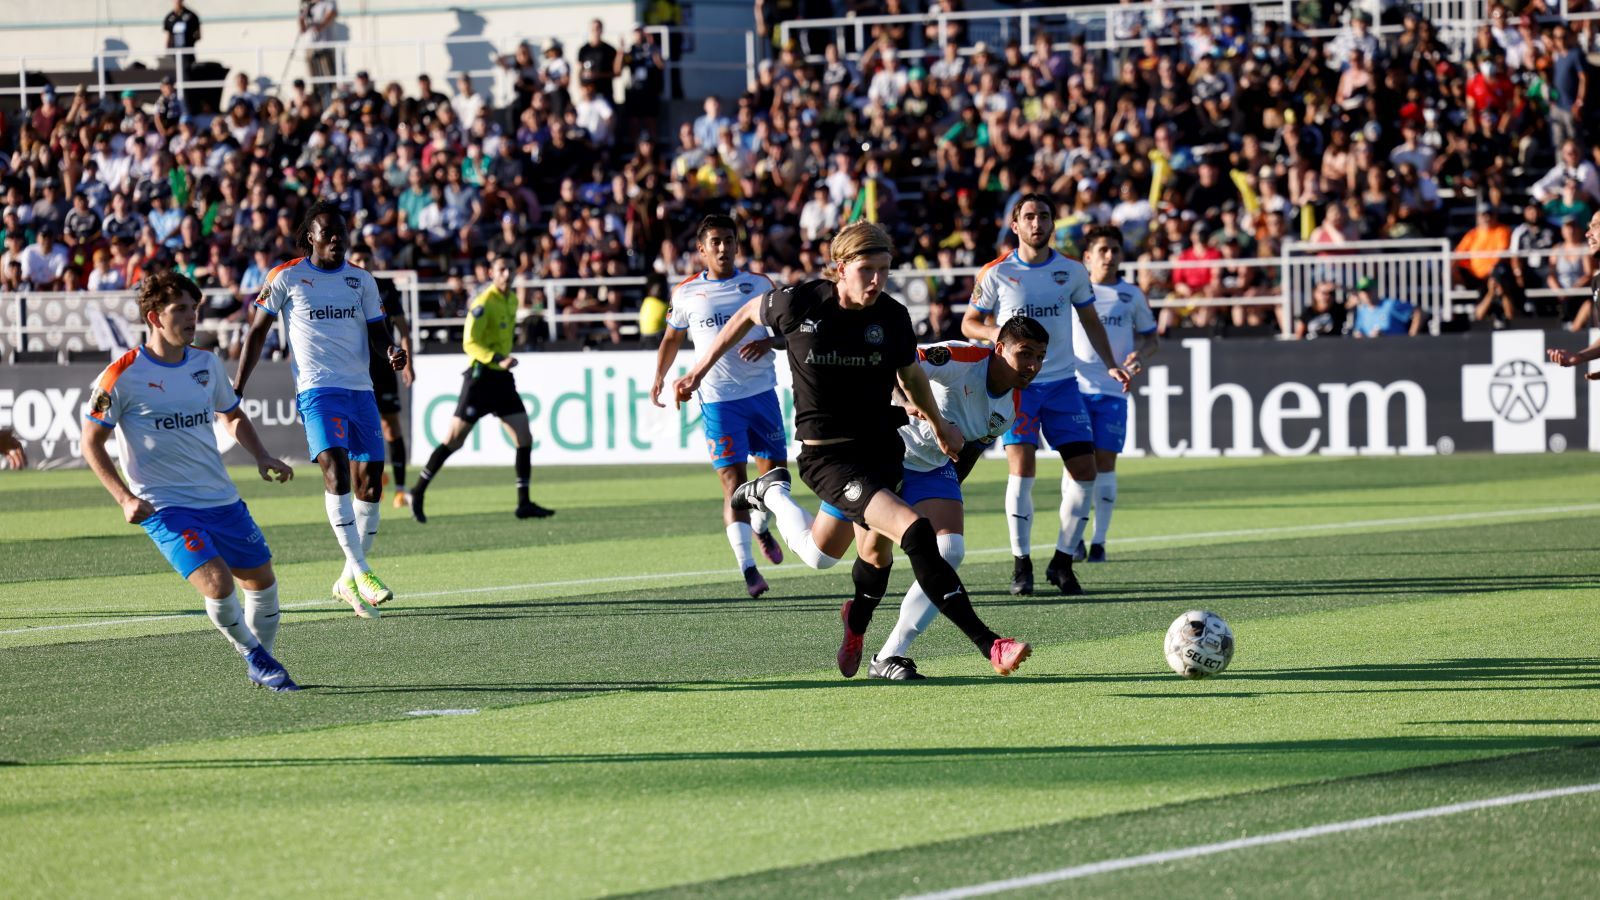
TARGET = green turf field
(1411,633)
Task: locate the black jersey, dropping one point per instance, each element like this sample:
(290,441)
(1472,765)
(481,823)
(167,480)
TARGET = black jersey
(843,361)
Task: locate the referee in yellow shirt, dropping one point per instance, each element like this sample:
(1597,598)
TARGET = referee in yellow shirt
(489,389)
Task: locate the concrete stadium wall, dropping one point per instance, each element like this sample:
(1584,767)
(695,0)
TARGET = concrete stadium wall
(232,32)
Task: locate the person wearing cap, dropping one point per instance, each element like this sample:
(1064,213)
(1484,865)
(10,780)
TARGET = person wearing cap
(556,74)
(1324,317)
(1357,36)
(1532,240)
(1487,276)
(1376,317)
(169,108)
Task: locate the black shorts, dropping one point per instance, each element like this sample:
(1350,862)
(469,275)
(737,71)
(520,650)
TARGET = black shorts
(848,475)
(385,386)
(488,392)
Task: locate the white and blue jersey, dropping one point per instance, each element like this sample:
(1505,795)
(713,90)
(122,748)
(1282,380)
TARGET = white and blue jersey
(738,397)
(1050,292)
(164,415)
(327,312)
(1126,315)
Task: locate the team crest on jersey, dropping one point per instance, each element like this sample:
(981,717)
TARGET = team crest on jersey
(352,282)
(937,356)
(1124,297)
(203,377)
(852,491)
(1060,276)
(746,287)
(874,334)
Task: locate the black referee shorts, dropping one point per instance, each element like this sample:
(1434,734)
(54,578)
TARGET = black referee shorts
(385,385)
(848,475)
(488,392)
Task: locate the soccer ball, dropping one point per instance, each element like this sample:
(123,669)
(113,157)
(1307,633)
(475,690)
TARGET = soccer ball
(1199,644)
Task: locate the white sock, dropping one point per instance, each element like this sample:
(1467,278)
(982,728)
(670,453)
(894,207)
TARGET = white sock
(367,522)
(229,619)
(1077,497)
(1019,513)
(760,522)
(794,523)
(261,613)
(917,612)
(740,534)
(342,516)
(1105,499)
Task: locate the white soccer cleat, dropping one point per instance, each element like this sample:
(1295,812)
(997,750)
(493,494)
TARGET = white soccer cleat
(345,590)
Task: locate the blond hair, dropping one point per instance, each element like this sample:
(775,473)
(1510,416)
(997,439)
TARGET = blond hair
(853,241)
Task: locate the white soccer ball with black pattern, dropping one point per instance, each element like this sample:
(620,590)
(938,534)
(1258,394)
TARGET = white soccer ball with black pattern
(1199,644)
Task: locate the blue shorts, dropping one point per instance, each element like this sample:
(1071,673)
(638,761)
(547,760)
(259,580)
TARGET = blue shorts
(189,538)
(941,484)
(1056,409)
(748,426)
(1108,416)
(335,417)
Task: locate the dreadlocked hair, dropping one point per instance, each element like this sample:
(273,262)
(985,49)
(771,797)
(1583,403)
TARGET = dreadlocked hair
(302,235)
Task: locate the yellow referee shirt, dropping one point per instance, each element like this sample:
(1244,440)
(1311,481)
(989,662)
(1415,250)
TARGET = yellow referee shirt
(491,327)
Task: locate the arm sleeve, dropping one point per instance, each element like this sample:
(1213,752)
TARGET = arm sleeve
(371,302)
(1144,320)
(777,311)
(223,399)
(677,318)
(1082,291)
(274,294)
(984,299)
(105,406)
(472,340)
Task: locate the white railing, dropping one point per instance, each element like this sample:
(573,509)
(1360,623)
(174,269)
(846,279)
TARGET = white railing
(852,34)
(1416,270)
(385,60)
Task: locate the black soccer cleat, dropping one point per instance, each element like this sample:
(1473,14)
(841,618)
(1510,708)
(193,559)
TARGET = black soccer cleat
(1097,553)
(1021,575)
(894,668)
(754,584)
(749,496)
(416,506)
(1059,573)
(531,510)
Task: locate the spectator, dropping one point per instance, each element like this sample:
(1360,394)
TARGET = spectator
(1531,267)
(708,128)
(468,103)
(44,262)
(595,114)
(646,81)
(1571,83)
(1571,166)
(1572,267)
(940,324)
(1324,317)
(598,62)
(1386,317)
(1487,276)
(556,73)
(317,25)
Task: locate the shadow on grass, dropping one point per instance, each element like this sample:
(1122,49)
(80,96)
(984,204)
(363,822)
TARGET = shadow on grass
(867,755)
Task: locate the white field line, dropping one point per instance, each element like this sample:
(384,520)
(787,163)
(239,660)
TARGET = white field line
(1279,837)
(986,551)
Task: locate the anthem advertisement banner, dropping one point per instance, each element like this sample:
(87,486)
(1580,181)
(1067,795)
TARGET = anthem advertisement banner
(1490,392)
(1197,398)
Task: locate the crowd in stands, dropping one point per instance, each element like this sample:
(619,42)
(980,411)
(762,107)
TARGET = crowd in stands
(1217,146)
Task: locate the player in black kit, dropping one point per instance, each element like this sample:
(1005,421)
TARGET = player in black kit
(385,380)
(848,345)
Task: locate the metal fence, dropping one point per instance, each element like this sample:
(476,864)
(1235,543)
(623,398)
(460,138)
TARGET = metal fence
(272,66)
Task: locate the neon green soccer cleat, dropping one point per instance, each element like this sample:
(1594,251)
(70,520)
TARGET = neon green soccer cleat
(372,589)
(345,590)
